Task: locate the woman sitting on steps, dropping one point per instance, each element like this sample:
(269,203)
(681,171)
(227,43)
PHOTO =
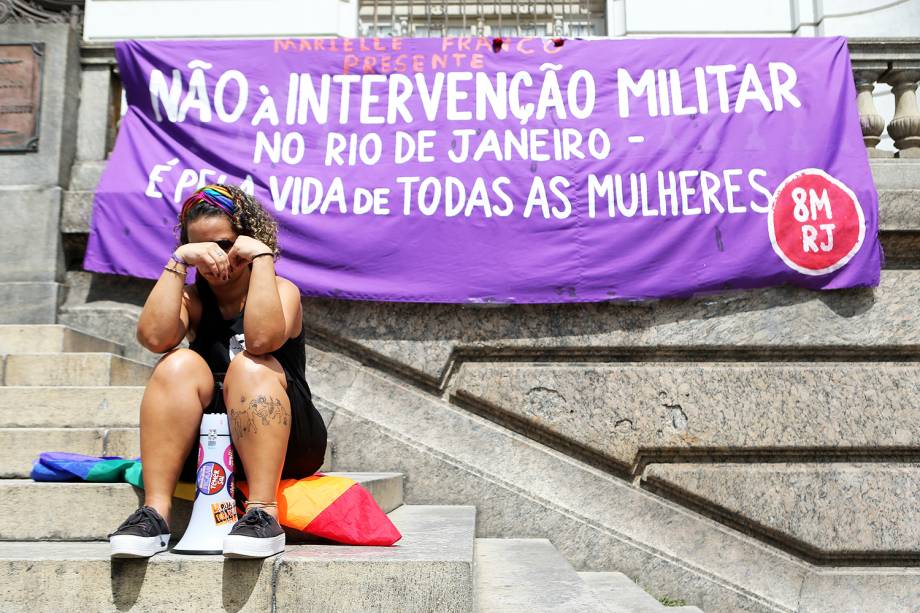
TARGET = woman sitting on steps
(243,320)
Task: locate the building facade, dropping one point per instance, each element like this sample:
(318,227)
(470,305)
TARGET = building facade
(755,451)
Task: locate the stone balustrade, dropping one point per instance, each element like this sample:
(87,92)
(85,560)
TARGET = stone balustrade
(895,62)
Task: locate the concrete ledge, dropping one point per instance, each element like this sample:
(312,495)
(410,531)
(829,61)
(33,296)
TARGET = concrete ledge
(429,341)
(30,303)
(86,173)
(385,487)
(895,174)
(31,238)
(899,210)
(429,569)
(833,511)
(71,407)
(861,589)
(91,369)
(103,506)
(598,522)
(37,576)
(76,212)
(75,407)
(621,594)
(20,447)
(530,575)
(902,250)
(451,456)
(112,320)
(633,412)
(51,339)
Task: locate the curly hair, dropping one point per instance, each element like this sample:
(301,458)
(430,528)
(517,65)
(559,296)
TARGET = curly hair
(247,216)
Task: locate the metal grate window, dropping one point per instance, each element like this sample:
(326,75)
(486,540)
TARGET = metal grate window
(481,18)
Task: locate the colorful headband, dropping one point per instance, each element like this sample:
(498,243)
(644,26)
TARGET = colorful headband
(216,195)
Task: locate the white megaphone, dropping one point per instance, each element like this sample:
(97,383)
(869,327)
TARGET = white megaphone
(214,510)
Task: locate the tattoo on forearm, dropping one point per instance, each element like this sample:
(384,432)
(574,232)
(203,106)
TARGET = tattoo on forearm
(259,411)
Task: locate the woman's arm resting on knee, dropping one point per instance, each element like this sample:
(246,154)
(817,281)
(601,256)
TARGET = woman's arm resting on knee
(273,310)
(164,320)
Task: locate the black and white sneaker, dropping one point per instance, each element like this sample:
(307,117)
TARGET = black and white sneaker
(256,535)
(143,534)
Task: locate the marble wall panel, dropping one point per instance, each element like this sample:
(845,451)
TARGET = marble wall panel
(838,508)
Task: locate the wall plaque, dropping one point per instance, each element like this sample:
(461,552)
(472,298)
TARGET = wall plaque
(20,95)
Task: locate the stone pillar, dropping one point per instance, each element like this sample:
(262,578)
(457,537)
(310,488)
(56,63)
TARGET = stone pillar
(95,135)
(95,111)
(616,17)
(31,181)
(905,126)
(873,124)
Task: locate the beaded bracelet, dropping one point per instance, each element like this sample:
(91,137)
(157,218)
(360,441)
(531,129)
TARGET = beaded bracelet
(262,503)
(175,272)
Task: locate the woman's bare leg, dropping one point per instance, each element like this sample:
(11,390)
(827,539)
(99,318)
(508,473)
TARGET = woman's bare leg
(255,393)
(179,389)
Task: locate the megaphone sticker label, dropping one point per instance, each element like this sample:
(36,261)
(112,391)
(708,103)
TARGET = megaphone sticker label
(224,512)
(230,489)
(211,478)
(228,457)
(200,454)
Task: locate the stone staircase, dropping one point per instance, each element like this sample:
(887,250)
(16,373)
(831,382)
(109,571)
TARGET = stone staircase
(64,390)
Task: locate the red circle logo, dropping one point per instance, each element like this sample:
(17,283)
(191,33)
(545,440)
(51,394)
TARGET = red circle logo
(816,223)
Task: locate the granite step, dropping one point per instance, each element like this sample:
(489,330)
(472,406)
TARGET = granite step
(522,574)
(429,569)
(459,457)
(108,406)
(115,318)
(895,173)
(899,210)
(102,506)
(19,447)
(70,407)
(620,594)
(73,369)
(52,339)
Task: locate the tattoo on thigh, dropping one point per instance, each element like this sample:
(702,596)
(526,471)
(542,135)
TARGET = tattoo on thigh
(261,410)
(268,409)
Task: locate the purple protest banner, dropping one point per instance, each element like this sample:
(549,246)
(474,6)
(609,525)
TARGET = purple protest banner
(516,170)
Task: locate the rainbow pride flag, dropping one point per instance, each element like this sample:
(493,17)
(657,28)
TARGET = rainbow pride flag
(328,506)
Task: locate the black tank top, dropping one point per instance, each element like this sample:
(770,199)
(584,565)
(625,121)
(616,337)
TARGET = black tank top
(218,340)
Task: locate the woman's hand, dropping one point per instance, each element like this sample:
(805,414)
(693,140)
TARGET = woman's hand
(207,257)
(244,249)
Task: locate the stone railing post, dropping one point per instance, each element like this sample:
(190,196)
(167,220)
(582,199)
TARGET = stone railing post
(895,62)
(866,74)
(904,128)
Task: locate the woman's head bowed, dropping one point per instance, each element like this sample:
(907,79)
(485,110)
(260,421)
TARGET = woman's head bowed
(246,215)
